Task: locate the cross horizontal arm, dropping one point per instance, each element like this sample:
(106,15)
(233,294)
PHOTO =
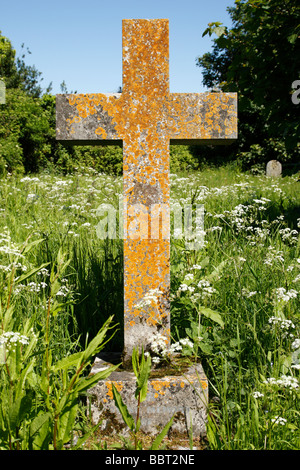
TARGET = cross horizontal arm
(202,118)
(192,118)
(87,118)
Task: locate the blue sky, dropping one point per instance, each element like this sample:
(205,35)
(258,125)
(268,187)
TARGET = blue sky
(80,42)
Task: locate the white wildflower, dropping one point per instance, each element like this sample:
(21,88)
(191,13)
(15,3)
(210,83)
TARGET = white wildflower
(273,255)
(282,322)
(186,342)
(283,295)
(11,338)
(189,277)
(247,293)
(285,381)
(155,360)
(150,298)
(63,291)
(196,266)
(31,197)
(296,344)
(258,394)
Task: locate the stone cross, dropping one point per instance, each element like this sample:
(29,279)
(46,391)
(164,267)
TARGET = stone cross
(145,118)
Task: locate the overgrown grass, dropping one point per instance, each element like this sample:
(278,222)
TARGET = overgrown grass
(249,272)
(236,298)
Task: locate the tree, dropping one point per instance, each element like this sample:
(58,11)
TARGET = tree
(8,68)
(259,58)
(29,77)
(25,125)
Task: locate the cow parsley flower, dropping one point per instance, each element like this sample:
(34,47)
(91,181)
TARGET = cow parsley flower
(283,295)
(10,339)
(279,420)
(247,293)
(285,381)
(296,344)
(149,299)
(258,395)
(282,322)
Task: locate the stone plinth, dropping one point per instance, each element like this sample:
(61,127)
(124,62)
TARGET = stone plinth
(185,396)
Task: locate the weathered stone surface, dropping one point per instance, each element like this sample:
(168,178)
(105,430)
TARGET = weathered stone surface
(184,396)
(2,92)
(86,119)
(145,118)
(274,168)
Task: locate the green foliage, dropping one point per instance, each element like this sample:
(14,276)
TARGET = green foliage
(259,59)
(29,77)
(103,159)
(248,271)
(24,128)
(182,159)
(8,68)
(40,395)
(236,298)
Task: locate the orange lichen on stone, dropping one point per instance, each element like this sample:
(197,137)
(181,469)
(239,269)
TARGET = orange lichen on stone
(160,386)
(100,131)
(204,384)
(109,384)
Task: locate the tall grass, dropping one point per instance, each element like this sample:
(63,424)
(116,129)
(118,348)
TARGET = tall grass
(249,272)
(236,298)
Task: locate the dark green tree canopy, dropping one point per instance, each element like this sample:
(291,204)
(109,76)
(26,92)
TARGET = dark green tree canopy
(259,58)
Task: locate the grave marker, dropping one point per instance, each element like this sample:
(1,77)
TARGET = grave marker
(145,118)
(274,168)
(2,92)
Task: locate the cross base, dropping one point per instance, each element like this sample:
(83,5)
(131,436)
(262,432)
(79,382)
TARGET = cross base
(183,396)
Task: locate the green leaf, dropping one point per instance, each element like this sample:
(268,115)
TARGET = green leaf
(84,438)
(97,343)
(66,419)
(7,318)
(156,443)
(142,379)
(31,244)
(206,348)
(40,431)
(67,362)
(217,271)
(216,28)
(89,382)
(135,361)
(128,419)
(23,376)
(213,434)
(212,315)
(138,425)
(13,413)
(30,273)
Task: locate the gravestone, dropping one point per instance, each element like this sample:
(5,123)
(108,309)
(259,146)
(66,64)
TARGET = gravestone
(145,118)
(2,92)
(274,168)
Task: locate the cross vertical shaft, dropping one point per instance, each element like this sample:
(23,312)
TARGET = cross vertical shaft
(145,180)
